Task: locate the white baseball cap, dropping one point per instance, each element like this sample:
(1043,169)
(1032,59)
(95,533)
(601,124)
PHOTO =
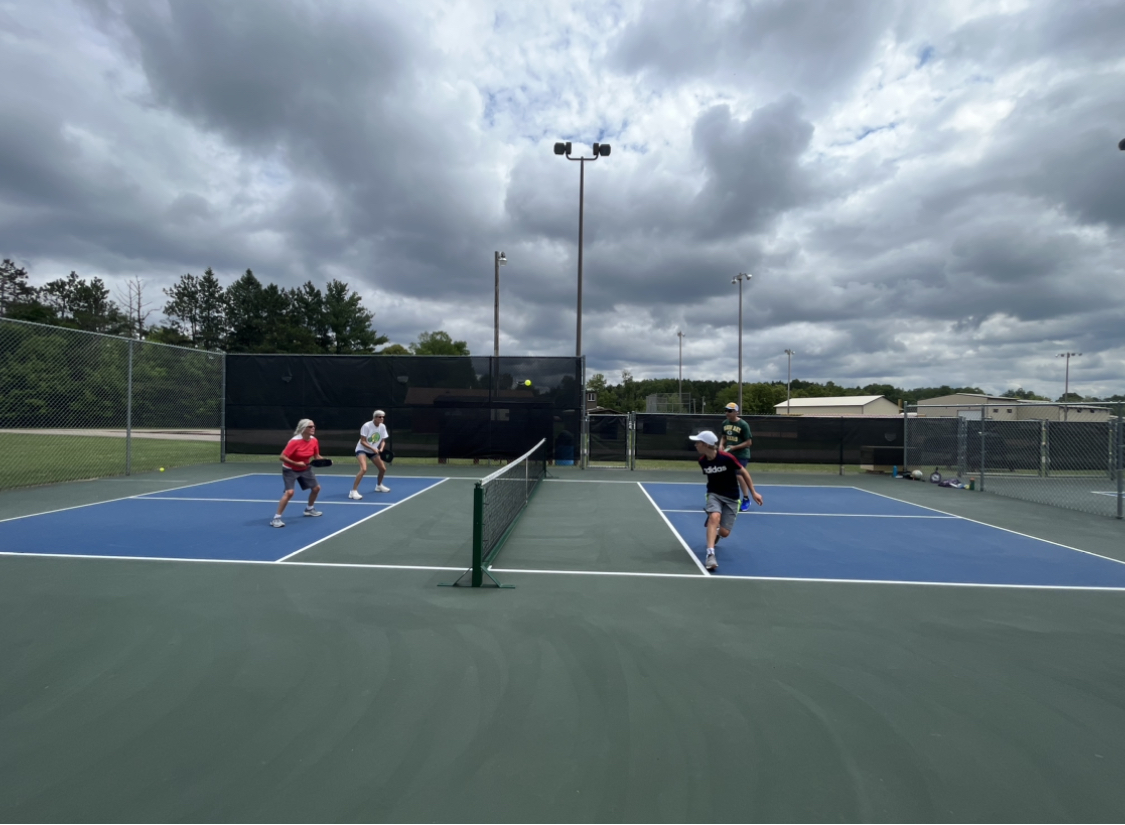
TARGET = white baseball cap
(377,413)
(707,437)
(731,407)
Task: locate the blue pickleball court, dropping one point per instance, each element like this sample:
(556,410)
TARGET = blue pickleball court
(848,534)
(225,520)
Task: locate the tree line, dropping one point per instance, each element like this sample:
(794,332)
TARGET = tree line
(761,398)
(246,316)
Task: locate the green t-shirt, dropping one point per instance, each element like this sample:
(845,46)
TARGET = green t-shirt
(735,433)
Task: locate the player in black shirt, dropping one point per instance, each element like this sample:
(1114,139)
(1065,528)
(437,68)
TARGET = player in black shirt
(723,472)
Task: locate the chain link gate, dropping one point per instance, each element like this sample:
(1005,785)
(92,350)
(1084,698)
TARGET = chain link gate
(611,440)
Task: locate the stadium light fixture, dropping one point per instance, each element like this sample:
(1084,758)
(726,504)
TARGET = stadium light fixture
(601,150)
(1066,386)
(739,279)
(499,259)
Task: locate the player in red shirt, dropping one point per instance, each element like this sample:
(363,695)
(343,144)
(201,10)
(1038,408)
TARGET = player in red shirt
(296,468)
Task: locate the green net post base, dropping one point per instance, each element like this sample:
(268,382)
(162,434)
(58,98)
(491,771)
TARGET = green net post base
(476,581)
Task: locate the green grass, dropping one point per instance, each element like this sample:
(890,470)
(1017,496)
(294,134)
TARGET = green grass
(51,459)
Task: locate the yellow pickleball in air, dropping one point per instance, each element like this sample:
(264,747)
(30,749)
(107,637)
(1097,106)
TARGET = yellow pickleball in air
(527,383)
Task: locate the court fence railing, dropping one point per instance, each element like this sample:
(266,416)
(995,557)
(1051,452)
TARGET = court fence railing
(868,442)
(1064,455)
(80,405)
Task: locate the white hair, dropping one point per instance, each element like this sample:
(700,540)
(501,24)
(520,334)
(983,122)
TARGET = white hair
(304,422)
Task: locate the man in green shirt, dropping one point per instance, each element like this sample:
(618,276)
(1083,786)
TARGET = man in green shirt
(736,440)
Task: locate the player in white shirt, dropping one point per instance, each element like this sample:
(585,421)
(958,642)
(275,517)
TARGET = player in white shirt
(372,437)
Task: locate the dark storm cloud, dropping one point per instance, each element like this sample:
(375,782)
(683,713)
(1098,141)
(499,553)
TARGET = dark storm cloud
(753,171)
(772,46)
(919,196)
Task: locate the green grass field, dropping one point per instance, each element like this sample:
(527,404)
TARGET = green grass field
(50,459)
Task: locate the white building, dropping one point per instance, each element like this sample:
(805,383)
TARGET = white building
(843,405)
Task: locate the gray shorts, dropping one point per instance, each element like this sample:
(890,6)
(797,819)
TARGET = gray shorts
(727,508)
(306,477)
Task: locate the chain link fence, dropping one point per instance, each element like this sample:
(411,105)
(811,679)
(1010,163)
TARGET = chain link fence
(1069,456)
(79,405)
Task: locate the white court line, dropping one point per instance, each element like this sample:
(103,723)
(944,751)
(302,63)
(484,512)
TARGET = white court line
(994,527)
(828,515)
(356,523)
(675,532)
(352,475)
(122,498)
(228,561)
(605,573)
(690,483)
(158,497)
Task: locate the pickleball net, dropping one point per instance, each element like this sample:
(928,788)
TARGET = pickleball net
(498,501)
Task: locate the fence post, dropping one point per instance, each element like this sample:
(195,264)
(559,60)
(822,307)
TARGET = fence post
(1120,459)
(840,437)
(1043,448)
(223,414)
(962,445)
(129,413)
(905,439)
(631,442)
(983,419)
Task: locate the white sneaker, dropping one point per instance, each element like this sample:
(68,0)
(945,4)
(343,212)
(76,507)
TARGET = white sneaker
(712,563)
(277,522)
(382,489)
(309,511)
(354,495)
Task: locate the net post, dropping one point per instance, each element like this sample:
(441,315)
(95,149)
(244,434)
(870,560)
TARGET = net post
(478,534)
(129,413)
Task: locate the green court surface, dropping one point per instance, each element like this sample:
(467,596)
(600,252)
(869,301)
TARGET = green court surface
(614,683)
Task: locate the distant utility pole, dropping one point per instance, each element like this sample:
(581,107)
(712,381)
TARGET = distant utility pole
(680,390)
(788,379)
(1066,386)
(739,279)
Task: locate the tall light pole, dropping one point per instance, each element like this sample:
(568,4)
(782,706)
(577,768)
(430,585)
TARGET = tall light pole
(680,389)
(600,150)
(738,279)
(500,259)
(788,379)
(1066,386)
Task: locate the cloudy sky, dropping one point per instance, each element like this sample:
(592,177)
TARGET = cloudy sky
(925,193)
